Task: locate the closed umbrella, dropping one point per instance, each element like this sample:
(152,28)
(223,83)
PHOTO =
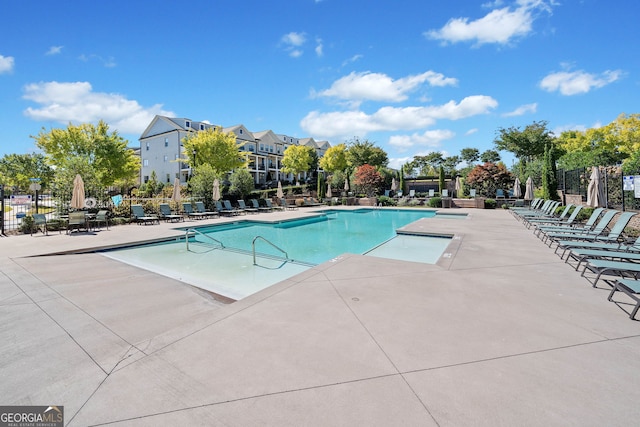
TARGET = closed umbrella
(458,186)
(176,190)
(216,190)
(394,185)
(595,192)
(517,192)
(528,194)
(346,184)
(329,195)
(280,193)
(77,197)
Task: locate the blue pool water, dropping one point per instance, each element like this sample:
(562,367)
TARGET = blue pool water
(318,239)
(231,271)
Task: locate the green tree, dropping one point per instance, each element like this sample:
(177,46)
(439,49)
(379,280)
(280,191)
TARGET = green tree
(368,179)
(490,156)
(441,183)
(549,180)
(470,155)
(365,152)
(220,150)
(450,164)
(334,159)
(241,182)
(526,144)
(201,184)
(488,177)
(16,170)
(427,164)
(296,159)
(105,152)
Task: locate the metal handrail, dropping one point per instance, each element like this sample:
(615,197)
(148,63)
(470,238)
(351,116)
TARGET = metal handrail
(193,230)
(253,249)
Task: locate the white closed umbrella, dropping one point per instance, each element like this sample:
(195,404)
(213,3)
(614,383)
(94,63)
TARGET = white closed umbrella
(394,184)
(77,197)
(458,186)
(279,192)
(346,184)
(517,192)
(175,196)
(216,190)
(329,195)
(595,191)
(528,194)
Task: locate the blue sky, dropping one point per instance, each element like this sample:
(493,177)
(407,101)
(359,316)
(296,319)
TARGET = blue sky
(413,76)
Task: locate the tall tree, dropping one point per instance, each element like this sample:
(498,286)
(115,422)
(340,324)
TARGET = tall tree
(241,182)
(528,143)
(549,179)
(428,163)
(16,170)
(212,146)
(490,156)
(365,152)
(368,179)
(470,155)
(296,159)
(488,177)
(334,159)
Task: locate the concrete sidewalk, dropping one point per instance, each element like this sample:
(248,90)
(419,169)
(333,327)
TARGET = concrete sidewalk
(499,332)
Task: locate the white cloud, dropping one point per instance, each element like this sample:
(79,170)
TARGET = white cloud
(293,42)
(54,50)
(430,138)
(499,26)
(354,58)
(107,62)
(471,131)
(380,87)
(319,47)
(75,102)
(355,122)
(577,82)
(522,110)
(6,64)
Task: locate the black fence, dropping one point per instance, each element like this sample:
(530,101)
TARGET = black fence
(576,182)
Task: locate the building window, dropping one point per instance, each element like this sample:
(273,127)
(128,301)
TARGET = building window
(187,124)
(168,177)
(201,126)
(240,131)
(166,158)
(147,145)
(166,142)
(177,156)
(146,179)
(145,162)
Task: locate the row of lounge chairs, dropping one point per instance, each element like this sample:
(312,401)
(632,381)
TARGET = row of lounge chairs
(223,208)
(598,247)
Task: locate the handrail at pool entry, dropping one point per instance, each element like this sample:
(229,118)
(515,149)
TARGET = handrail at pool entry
(194,231)
(253,249)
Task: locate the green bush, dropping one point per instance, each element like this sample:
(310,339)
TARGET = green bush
(489,204)
(435,202)
(584,214)
(386,201)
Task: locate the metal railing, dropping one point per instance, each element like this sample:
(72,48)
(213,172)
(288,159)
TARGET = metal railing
(194,232)
(253,249)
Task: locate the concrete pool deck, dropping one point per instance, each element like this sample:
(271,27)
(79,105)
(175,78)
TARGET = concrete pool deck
(499,332)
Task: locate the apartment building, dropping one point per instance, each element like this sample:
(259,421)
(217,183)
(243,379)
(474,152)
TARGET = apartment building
(161,150)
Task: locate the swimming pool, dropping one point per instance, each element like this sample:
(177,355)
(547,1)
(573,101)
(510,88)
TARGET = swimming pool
(219,258)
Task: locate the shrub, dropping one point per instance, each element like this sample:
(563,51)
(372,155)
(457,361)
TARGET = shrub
(435,202)
(386,201)
(584,214)
(489,204)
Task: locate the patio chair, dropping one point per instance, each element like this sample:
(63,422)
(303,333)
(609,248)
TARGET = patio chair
(629,287)
(557,221)
(598,231)
(140,217)
(445,193)
(472,192)
(286,206)
(167,215)
(267,208)
(77,220)
(587,226)
(412,193)
(39,224)
(432,192)
(189,212)
(243,206)
(223,210)
(101,217)
(499,193)
(604,267)
(203,210)
(572,245)
(227,206)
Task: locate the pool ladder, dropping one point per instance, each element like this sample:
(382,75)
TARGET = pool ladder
(253,249)
(195,232)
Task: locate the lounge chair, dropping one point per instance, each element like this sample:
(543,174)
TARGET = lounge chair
(286,206)
(77,220)
(101,217)
(267,208)
(223,210)
(270,205)
(167,215)
(412,193)
(551,219)
(597,236)
(557,221)
(499,193)
(203,210)
(570,246)
(547,212)
(243,206)
(582,254)
(603,267)
(227,206)
(472,192)
(629,287)
(189,212)
(591,221)
(310,202)
(445,193)
(140,217)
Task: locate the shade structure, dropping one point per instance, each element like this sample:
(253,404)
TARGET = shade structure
(77,197)
(517,191)
(280,193)
(329,195)
(216,190)
(394,185)
(595,190)
(528,194)
(175,196)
